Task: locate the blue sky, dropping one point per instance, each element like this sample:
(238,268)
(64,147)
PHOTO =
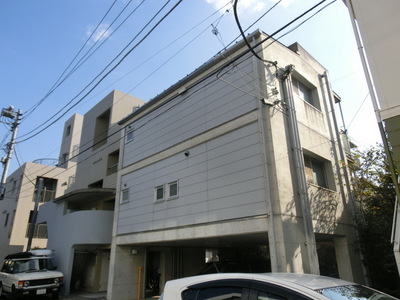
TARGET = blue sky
(41,38)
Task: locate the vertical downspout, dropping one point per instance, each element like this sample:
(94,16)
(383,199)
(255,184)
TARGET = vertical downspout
(345,171)
(300,172)
(339,143)
(380,125)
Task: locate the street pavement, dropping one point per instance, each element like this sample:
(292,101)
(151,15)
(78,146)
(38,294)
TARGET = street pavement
(85,296)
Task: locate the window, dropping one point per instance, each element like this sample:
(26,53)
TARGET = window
(112,163)
(68,130)
(304,92)
(12,224)
(48,191)
(101,130)
(159,193)
(172,190)
(6,221)
(64,158)
(39,231)
(315,171)
(215,293)
(125,195)
(129,135)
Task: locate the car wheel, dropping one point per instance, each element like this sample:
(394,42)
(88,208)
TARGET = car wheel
(13,294)
(54,295)
(1,289)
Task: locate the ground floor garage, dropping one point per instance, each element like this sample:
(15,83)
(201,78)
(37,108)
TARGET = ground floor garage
(140,271)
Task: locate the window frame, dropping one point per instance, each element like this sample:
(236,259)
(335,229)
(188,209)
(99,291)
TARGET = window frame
(306,91)
(309,163)
(156,189)
(129,134)
(169,185)
(68,130)
(125,192)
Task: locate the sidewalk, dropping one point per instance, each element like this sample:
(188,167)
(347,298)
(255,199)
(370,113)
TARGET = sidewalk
(85,296)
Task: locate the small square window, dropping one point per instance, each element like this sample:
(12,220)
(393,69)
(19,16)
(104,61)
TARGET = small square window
(173,190)
(315,171)
(125,195)
(159,193)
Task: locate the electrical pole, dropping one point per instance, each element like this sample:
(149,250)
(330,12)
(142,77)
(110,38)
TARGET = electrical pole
(11,114)
(39,189)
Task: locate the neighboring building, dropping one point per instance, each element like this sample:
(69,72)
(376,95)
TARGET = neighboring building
(80,221)
(376,26)
(240,160)
(18,205)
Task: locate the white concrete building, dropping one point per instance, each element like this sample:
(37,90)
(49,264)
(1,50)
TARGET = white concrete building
(242,160)
(80,221)
(377,30)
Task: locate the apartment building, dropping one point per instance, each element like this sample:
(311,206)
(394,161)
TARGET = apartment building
(378,51)
(22,191)
(18,205)
(239,167)
(80,221)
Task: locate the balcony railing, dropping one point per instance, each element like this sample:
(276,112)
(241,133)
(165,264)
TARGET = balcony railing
(46,196)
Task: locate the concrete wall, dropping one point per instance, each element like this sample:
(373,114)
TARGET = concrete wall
(78,228)
(70,142)
(239,170)
(92,163)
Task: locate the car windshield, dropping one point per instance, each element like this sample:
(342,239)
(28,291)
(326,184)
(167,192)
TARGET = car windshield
(27,265)
(354,292)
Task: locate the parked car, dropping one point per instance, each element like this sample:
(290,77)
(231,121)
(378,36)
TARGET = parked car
(237,266)
(30,273)
(267,286)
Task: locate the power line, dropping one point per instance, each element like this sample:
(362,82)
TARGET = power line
(159,51)
(212,74)
(80,62)
(108,72)
(59,81)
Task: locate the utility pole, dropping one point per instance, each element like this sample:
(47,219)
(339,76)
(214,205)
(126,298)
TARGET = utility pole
(11,114)
(39,189)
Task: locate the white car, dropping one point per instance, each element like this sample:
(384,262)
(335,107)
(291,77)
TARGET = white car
(30,273)
(268,286)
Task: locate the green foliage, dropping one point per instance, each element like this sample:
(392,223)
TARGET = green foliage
(374,191)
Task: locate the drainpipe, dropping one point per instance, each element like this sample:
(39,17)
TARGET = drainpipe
(339,143)
(300,171)
(368,77)
(344,168)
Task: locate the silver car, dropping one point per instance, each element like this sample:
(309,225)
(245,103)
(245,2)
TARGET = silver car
(268,286)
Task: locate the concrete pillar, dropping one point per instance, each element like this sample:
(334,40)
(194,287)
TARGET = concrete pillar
(343,259)
(126,262)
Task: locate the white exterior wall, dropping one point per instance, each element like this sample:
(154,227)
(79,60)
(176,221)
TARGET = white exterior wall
(88,227)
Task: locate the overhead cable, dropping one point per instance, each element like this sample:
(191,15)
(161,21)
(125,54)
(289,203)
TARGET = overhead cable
(105,75)
(59,81)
